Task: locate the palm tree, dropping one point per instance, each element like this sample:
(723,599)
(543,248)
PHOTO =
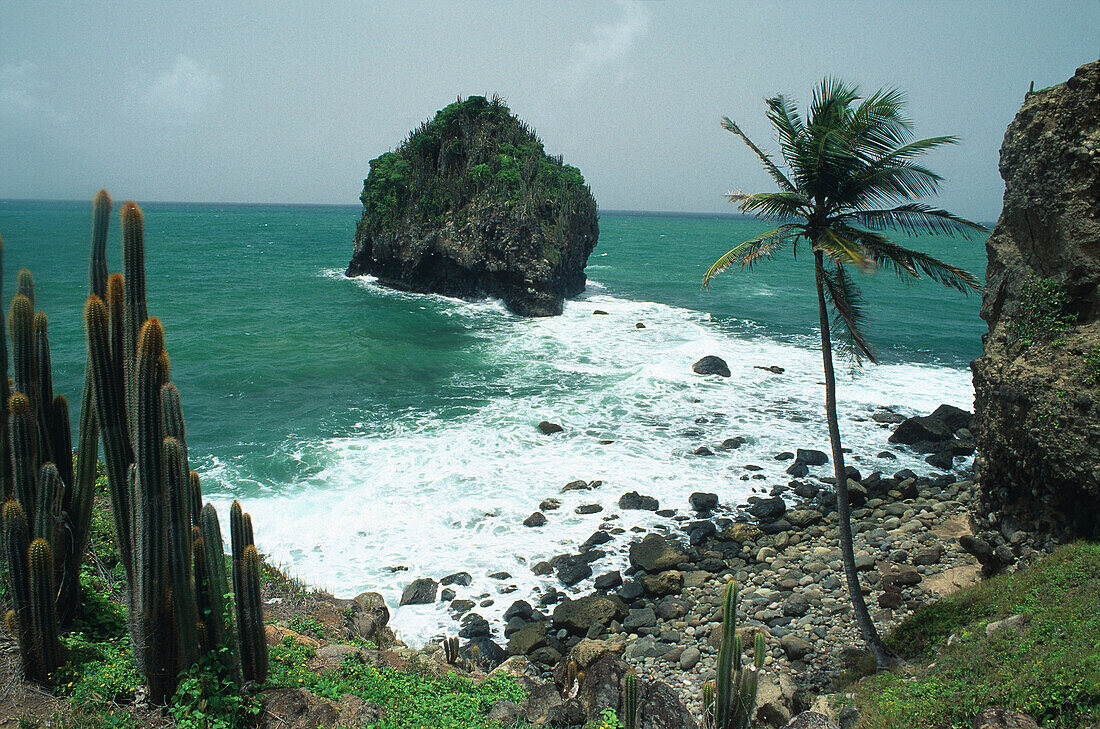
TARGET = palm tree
(850,175)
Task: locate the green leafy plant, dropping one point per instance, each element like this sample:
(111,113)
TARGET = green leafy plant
(207,697)
(1092,367)
(607,719)
(1049,670)
(1040,314)
(307,625)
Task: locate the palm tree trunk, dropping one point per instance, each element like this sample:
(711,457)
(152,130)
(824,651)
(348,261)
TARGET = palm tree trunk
(883,656)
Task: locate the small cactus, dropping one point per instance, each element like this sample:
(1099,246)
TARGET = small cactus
(43,611)
(735,691)
(450,650)
(630,700)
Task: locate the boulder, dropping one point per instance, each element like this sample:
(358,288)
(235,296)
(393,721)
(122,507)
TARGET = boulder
(632,500)
(458,578)
(536,519)
(577,616)
(421,591)
(527,639)
(810,720)
(810,457)
(711,365)
(997,718)
(655,553)
(548,428)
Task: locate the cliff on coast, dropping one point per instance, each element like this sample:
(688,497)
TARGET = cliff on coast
(1037,383)
(470,205)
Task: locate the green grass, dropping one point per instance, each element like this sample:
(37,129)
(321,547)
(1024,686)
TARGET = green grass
(1051,671)
(413,699)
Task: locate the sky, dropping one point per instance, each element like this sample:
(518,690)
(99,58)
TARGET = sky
(288,102)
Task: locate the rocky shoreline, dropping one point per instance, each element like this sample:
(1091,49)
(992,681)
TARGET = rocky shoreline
(915,542)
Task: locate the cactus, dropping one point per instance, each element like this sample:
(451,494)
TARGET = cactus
(135,313)
(16,543)
(250,604)
(24,452)
(101,221)
(24,285)
(21,328)
(170,546)
(43,610)
(450,650)
(708,703)
(5,393)
(735,693)
(630,700)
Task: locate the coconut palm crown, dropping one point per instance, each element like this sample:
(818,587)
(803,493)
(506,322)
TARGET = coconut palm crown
(850,175)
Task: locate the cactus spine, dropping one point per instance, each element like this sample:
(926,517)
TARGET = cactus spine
(734,696)
(630,700)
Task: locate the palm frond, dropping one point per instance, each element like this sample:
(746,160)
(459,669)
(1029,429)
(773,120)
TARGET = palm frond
(914,218)
(777,174)
(905,261)
(830,102)
(892,183)
(783,205)
(792,135)
(752,250)
(843,249)
(877,125)
(847,302)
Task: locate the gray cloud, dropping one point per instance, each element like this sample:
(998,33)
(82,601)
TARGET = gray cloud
(184,91)
(609,44)
(21,95)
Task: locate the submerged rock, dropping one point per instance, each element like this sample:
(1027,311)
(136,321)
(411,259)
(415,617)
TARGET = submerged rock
(711,365)
(470,205)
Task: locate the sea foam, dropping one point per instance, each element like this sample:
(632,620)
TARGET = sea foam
(432,493)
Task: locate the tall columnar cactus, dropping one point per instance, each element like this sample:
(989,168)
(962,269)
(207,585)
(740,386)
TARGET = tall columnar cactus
(43,609)
(170,544)
(37,451)
(732,700)
(5,393)
(24,285)
(246,583)
(630,700)
(16,543)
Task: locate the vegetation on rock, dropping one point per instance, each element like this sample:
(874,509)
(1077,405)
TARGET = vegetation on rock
(471,205)
(472,154)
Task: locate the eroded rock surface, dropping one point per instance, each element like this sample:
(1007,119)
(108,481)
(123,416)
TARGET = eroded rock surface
(1037,389)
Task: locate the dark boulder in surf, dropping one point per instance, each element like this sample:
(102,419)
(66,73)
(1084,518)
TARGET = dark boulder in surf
(711,365)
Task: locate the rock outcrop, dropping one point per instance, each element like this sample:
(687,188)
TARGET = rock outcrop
(470,205)
(1037,384)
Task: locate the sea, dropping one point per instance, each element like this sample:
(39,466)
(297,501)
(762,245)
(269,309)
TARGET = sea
(378,436)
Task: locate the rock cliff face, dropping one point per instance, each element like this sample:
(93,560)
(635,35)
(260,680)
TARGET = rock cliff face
(470,205)
(1037,384)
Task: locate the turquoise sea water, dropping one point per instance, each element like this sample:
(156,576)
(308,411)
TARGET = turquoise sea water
(368,429)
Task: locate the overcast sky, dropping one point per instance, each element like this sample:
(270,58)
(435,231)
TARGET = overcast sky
(288,102)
